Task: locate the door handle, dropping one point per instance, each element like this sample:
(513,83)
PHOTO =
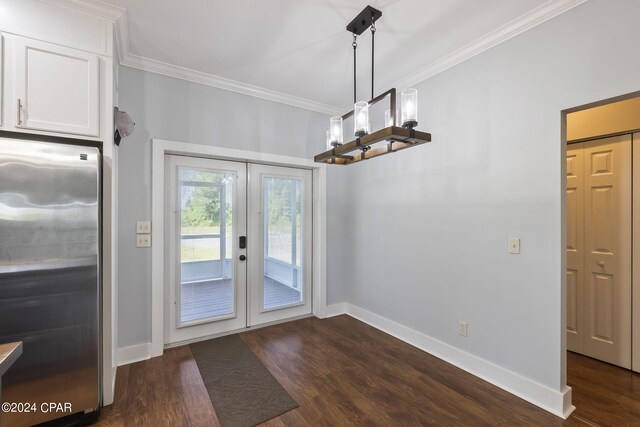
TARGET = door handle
(243,242)
(242,257)
(19,112)
(601,263)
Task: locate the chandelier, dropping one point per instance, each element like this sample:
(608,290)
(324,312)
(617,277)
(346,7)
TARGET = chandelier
(387,140)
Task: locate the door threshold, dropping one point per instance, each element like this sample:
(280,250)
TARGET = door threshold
(235,331)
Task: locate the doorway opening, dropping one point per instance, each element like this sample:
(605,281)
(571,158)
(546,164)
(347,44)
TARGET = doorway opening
(239,245)
(601,149)
(247,255)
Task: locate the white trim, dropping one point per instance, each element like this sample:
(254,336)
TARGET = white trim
(96,8)
(121,36)
(337,309)
(319,262)
(162,147)
(114,372)
(164,68)
(139,352)
(554,401)
(107,12)
(133,353)
(537,16)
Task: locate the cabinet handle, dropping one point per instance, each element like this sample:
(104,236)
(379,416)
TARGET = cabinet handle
(19,112)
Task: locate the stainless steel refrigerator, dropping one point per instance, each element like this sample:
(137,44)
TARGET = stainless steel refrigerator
(50,279)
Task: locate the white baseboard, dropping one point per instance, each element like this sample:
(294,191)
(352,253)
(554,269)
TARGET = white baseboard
(336,309)
(134,353)
(556,402)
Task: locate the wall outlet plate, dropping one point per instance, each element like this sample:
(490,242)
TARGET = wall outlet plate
(514,245)
(143,227)
(143,240)
(462,328)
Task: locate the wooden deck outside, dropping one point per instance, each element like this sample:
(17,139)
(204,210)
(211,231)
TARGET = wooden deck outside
(214,298)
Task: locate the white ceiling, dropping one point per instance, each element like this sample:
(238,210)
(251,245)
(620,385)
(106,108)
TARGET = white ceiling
(301,48)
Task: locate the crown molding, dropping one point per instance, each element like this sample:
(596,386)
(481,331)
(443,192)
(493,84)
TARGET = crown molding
(96,8)
(159,67)
(106,11)
(525,22)
(118,16)
(121,33)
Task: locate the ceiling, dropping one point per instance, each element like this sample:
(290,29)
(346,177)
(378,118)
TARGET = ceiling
(295,51)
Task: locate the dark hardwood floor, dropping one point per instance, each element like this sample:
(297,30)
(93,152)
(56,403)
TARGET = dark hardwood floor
(343,372)
(602,393)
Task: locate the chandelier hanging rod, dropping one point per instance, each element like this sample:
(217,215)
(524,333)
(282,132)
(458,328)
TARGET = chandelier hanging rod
(365,20)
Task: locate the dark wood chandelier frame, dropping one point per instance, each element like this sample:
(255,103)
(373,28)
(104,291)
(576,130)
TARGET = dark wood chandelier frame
(396,138)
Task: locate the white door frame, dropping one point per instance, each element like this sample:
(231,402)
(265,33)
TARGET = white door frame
(159,149)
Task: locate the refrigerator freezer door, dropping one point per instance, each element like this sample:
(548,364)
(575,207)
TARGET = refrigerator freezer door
(49,277)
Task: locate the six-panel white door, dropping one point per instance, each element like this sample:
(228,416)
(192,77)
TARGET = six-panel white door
(599,249)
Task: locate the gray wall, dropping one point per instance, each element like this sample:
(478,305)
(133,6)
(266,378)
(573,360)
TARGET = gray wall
(177,110)
(421,237)
(425,236)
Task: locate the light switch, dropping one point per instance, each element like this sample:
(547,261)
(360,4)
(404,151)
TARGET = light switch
(143,227)
(514,245)
(143,240)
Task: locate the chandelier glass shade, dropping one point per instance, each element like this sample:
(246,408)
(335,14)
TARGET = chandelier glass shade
(361,118)
(335,127)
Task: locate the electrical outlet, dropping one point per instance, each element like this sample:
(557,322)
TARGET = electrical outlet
(143,227)
(514,245)
(462,328)
(143,240)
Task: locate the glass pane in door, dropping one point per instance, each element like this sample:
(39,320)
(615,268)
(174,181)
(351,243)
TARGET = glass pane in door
(206,236)
(282,207)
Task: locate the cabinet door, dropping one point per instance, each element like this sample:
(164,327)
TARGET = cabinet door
(56,88)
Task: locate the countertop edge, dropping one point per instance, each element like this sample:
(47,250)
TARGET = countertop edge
(9,353)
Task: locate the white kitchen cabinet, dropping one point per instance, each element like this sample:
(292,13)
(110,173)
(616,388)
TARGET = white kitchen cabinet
(56,89)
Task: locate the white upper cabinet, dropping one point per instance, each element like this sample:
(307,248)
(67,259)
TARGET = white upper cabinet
(56,89)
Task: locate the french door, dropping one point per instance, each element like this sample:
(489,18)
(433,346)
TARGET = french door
(239,246)
(279,218)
